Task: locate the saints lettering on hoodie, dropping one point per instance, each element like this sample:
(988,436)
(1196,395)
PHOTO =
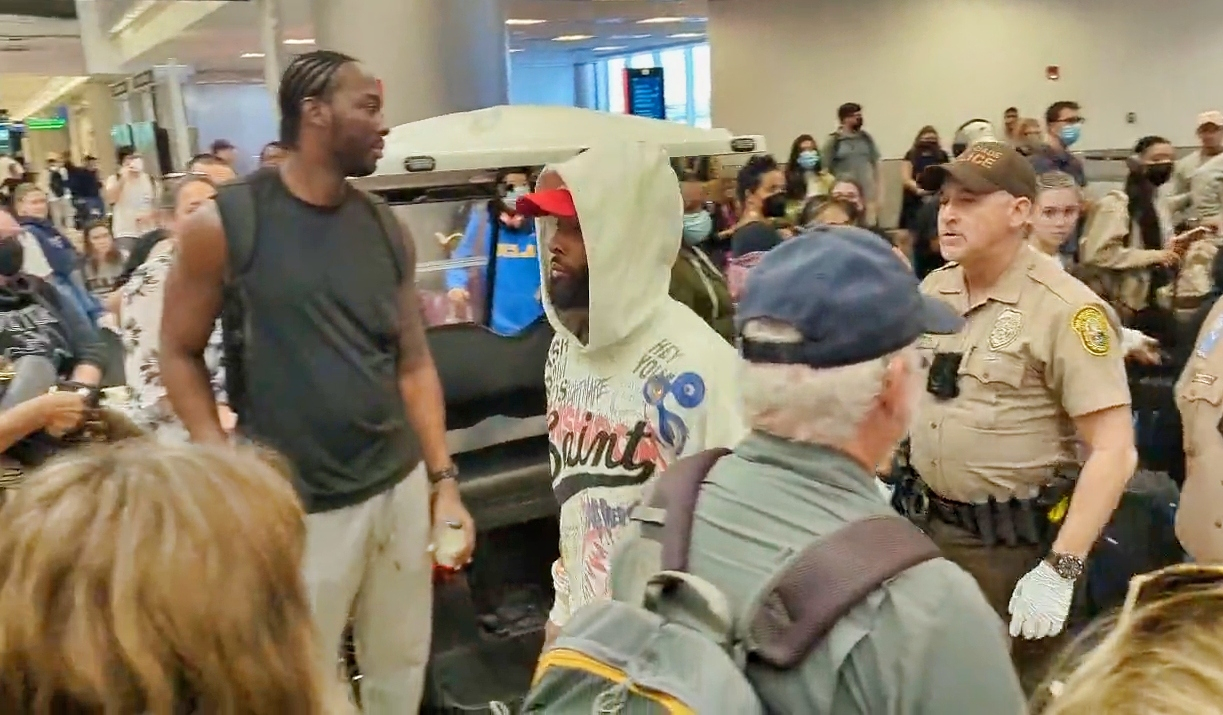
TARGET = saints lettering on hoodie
(650,383)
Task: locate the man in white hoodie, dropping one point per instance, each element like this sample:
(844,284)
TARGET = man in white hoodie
(635,380)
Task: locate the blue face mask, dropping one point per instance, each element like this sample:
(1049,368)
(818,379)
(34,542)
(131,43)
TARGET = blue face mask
(1070,134)
(512,196)
(809,159)
(697,227)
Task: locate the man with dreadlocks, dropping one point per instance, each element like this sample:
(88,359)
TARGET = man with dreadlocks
(328,364)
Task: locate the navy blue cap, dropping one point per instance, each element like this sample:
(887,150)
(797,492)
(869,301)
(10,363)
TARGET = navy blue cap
(846,292)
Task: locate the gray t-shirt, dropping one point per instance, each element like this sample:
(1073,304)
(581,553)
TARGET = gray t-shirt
(853,155)
(322,351)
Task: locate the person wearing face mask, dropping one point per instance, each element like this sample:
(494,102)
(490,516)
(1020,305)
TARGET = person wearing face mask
(761,191)
(850,151)
(924,153)
(1127,244)
(1064,127)
(695,280)
(35,323)
(506,288)
(36,320)
(130,193)
(806,176)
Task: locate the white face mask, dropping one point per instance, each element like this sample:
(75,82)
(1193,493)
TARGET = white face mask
(136,165)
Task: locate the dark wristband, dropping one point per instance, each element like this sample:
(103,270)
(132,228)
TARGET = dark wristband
(441,475)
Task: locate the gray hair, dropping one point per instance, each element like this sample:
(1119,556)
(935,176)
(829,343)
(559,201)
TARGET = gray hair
(803,404)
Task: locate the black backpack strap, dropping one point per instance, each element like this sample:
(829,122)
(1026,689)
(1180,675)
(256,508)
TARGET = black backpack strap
(672,502)
(238,209)
(240,220)
(827,580)
(394,233)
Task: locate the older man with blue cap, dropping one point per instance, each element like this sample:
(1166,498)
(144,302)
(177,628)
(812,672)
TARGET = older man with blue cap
(830,380)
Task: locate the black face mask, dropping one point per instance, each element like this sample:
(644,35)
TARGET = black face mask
(774,206)
(856,124)
(12,256)
(1158,174)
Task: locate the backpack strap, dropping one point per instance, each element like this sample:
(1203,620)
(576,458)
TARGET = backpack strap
(393,231)
(238,209)
(827,580)
(674,500)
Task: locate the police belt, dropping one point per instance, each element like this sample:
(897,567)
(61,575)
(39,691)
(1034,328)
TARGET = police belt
(1012,522)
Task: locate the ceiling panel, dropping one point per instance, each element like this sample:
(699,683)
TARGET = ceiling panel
(604,26)
(32,51)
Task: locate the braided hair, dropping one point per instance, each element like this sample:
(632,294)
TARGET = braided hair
(311,75)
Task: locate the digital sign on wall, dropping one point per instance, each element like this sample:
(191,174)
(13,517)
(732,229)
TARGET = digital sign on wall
(644,94)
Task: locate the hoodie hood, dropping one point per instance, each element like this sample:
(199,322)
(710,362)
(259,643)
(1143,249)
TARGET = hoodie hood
(628,203)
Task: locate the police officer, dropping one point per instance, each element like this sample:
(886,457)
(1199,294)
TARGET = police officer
(1199,392)
(994,446)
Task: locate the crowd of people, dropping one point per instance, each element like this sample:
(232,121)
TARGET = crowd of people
(862,470)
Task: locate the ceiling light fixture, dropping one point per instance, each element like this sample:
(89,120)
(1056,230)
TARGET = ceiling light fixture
(133,14)
(523,21)
(56,88)
(253,56)
(631,37)
(306,41)
(661,20)
(686,35)
(572,38)
(611,48)
(513,50)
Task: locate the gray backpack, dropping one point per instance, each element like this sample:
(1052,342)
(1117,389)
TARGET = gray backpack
(681,650)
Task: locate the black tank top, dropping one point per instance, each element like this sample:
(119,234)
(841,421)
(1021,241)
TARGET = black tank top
(322,346)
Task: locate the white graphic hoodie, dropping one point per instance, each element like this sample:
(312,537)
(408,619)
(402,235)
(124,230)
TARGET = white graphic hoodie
(651,383)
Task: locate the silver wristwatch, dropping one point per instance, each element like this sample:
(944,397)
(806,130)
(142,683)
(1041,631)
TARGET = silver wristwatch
(1067,566)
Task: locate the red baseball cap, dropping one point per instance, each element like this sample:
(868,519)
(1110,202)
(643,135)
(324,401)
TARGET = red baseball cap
(549,202)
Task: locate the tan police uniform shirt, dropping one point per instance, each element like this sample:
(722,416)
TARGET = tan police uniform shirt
(1038,350)
(1199,397)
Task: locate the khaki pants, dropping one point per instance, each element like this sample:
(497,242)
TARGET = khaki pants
(371,560)
(997,569)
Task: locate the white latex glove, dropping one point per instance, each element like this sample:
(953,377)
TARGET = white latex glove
(1040,603)
(1136,344)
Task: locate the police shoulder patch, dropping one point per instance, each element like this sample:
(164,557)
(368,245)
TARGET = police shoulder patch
(1091,325)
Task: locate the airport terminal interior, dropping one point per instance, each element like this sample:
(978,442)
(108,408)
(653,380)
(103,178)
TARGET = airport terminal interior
(811,357)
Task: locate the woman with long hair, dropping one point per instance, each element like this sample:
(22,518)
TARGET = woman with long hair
(156,580)
(806,176)
(925,153)
(104,259)
(1128,245)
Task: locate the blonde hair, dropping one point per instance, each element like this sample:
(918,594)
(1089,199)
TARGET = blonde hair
(1052,180)
(156,579)
(1165,657)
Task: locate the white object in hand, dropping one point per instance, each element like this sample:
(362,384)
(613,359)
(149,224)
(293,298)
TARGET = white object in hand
(1040,603)
(448,542)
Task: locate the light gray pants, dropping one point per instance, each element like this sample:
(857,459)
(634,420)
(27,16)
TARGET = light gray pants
(371,560)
